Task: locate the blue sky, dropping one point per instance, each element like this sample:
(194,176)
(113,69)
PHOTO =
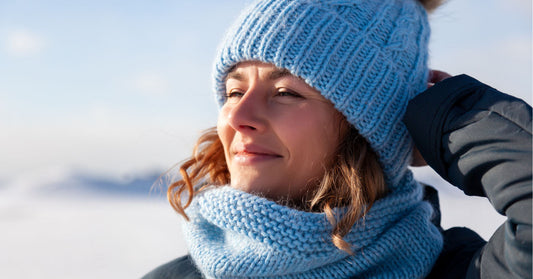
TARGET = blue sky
(123,87)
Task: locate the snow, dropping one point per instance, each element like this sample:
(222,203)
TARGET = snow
(86,235)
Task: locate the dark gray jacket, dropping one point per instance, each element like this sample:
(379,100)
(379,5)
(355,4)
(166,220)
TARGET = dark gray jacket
(479,140)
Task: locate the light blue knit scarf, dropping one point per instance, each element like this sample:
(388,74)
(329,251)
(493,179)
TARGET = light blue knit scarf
(233,234)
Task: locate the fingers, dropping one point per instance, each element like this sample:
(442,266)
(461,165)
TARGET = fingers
(417,160)
(436,76)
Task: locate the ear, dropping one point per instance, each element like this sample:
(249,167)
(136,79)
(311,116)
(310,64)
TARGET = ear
(417,159)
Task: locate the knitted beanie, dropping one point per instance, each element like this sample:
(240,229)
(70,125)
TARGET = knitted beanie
(368,57)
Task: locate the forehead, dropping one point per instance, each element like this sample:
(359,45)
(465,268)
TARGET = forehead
(269,71)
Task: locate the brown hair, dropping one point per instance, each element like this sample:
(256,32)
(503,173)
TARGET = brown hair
(354,180)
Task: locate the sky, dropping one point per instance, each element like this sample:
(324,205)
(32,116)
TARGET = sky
(123,88)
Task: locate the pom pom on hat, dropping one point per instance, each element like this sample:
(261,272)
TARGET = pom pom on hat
(368,57)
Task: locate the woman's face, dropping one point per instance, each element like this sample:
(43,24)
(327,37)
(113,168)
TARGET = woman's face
(278,132)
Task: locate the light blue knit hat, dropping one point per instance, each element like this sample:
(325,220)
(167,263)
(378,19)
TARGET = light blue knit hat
(368,57)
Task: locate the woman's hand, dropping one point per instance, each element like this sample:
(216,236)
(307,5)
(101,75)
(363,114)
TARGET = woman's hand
(436,76)
(416,159)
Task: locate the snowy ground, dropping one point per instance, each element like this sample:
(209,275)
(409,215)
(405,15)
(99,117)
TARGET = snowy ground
(82,227)
(86,231)
(86,238)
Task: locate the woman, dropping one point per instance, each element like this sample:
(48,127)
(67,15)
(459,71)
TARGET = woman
(306,173)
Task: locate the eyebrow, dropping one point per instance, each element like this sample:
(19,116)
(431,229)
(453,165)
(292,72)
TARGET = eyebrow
(278,73)
(273,75)
(234,75)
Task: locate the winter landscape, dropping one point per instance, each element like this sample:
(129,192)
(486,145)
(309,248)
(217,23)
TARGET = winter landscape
(99,98)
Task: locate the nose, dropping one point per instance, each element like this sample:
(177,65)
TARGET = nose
(248,114)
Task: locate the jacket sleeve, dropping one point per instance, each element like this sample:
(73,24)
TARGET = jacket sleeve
(479,140)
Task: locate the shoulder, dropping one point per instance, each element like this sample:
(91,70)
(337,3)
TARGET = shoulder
(182,267)
(462,247)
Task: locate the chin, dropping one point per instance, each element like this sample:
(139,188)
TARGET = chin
(257,189)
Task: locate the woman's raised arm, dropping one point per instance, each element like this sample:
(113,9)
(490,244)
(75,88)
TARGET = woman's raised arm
(479,140)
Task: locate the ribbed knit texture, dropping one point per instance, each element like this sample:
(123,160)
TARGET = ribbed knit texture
(233,234)
(368,57)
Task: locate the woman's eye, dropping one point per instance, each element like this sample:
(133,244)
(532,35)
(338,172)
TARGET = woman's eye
(289,94)
(234,95)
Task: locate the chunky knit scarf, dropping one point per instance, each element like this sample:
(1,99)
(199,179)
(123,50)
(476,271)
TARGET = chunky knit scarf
(233,234)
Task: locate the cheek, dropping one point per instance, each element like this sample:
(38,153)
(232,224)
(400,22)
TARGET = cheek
(312,136)
(224,131)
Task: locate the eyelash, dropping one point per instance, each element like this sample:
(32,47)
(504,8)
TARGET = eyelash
(289,94)
(280,93)
(233,94)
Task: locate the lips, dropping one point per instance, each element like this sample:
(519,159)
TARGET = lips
(253,153)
